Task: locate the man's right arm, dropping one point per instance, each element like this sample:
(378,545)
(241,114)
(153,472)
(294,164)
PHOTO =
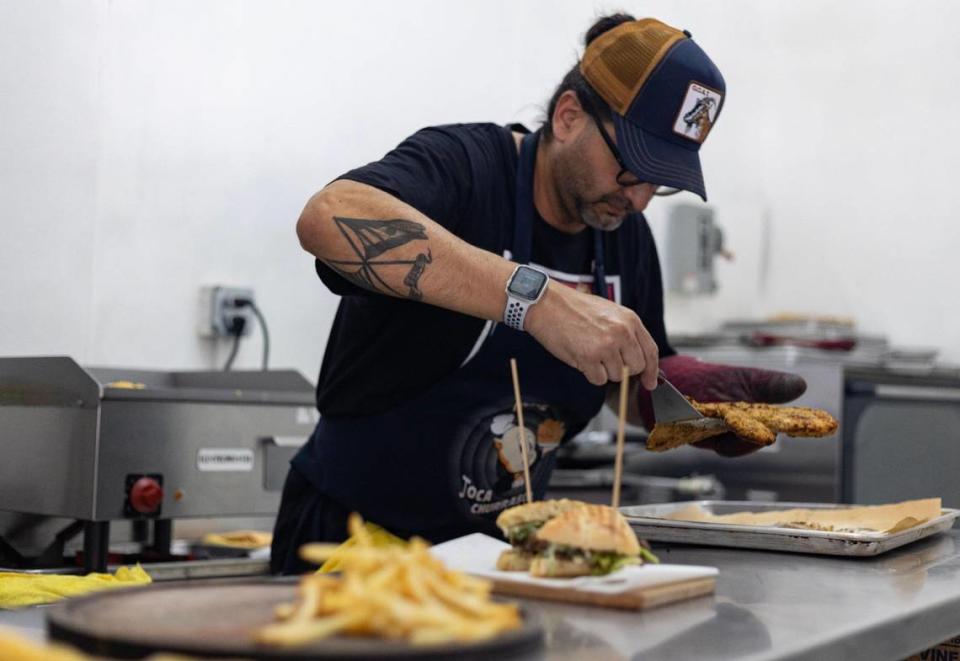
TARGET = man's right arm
(382,244)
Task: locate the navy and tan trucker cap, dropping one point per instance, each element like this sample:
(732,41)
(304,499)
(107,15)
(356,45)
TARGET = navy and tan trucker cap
(665,94)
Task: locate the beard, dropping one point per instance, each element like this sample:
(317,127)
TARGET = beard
(601,211)
(606,213)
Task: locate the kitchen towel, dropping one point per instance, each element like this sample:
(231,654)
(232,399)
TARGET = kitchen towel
(20,589)
(15,646)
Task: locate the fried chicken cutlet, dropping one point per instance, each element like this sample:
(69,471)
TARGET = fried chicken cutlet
(758,423)
(791,420)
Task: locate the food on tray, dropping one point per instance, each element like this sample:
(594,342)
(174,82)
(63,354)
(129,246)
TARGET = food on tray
(587,540)
(870,518)
(398,592)
(241,539)
(758,423)
(127,385)
(519,525)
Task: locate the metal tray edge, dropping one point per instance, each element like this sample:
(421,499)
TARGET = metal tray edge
(797,543)
(947,514)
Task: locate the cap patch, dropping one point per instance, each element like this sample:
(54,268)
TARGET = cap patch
(698,112)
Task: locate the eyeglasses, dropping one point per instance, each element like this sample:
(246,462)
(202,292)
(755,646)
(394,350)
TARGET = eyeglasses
(625,178)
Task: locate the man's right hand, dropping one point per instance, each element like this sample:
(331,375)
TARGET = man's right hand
(594,335)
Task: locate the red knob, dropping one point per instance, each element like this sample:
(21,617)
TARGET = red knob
(146,495)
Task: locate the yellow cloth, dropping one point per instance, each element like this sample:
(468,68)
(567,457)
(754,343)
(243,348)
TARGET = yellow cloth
(378,535)
(18,589)
(15,646)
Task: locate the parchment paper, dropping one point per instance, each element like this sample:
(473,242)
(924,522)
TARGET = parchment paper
(878,518)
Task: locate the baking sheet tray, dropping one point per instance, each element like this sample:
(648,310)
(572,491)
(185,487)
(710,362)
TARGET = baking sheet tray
(646,521)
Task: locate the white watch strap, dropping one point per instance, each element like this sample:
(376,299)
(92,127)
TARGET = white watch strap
(515,312)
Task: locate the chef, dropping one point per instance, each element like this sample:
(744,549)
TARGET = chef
(471,244)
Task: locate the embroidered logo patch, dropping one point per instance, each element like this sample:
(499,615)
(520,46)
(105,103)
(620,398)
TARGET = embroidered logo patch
(697,113)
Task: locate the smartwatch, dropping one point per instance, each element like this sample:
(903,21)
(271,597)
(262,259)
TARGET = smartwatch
(525,287)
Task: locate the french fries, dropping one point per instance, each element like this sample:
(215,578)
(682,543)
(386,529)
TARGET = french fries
(397,592)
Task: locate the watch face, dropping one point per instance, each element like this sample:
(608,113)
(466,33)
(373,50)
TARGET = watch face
(527,283)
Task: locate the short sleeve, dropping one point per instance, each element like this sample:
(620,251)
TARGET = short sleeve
(430,171)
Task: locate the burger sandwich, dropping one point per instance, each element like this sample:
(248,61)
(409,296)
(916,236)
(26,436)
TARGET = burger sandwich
(590,540)
(519,524)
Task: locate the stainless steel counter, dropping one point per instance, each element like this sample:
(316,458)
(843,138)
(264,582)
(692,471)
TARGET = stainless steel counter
(782,606)
(767,606)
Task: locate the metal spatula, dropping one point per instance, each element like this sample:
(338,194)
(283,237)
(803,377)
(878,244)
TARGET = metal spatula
(670,406)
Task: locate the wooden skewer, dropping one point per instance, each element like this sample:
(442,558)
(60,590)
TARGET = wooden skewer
(523,430)
(621,429)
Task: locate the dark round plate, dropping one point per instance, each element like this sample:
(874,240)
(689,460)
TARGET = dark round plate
(215,619)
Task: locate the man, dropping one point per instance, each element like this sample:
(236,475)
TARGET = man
(469,245)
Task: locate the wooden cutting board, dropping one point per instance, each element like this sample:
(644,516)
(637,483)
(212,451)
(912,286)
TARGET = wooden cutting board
(632,588)
(213,618)
(636,599)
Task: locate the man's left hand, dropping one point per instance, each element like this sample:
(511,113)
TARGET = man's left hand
(710,382)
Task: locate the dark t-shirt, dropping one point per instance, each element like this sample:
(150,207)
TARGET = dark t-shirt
(382,350)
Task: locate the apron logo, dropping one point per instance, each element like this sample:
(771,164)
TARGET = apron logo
(500,440)
(550,432)
(469,490)
(507,440)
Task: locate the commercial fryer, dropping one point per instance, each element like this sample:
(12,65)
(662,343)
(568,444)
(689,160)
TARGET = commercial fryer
(103,444)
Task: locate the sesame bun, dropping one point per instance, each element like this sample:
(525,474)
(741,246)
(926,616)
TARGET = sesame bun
(541,510)
(591,528)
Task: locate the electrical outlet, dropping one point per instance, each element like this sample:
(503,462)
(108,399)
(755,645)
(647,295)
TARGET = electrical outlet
(219,310)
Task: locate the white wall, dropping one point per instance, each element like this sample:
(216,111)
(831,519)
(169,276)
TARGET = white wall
(147,148)
(837,145)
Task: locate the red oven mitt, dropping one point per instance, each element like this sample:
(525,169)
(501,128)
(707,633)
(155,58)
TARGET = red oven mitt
(710,382)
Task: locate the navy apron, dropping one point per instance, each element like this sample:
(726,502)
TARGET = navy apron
(447,462)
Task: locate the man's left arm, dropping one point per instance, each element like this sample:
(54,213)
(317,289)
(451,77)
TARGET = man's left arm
(712,382)
(704,382)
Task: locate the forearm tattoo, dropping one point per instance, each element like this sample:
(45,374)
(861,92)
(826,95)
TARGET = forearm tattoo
(370,239)
(419,266)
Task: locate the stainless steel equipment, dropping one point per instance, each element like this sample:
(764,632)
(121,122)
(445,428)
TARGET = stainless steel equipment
(901,434)
(103,444)
(692,243)
(585,472)
(596,486)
